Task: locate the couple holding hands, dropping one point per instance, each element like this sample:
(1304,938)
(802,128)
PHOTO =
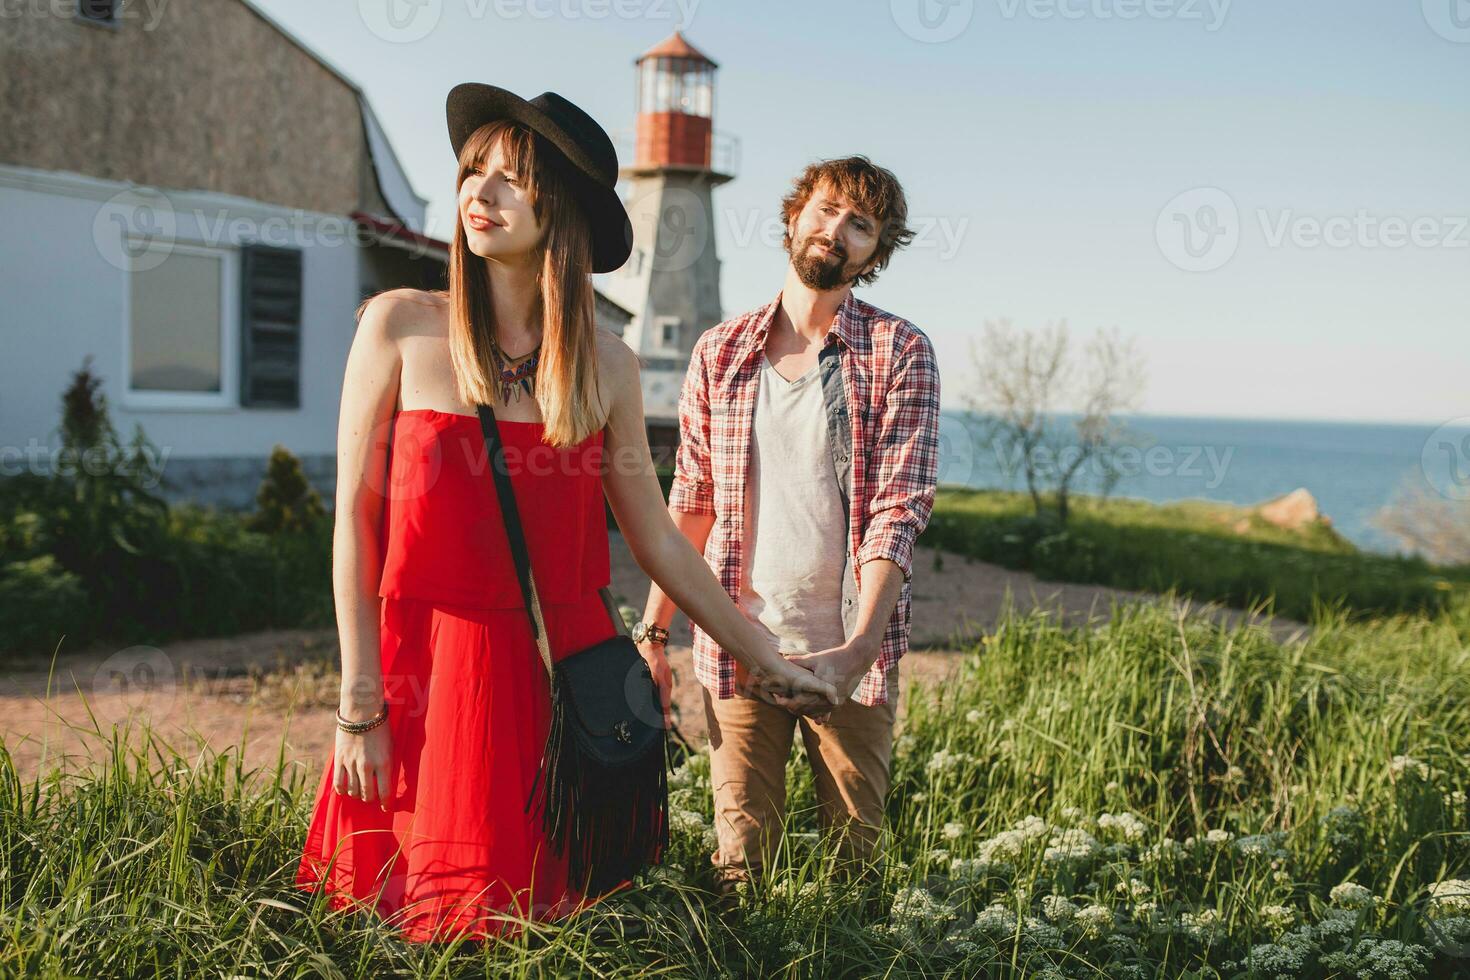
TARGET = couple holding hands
(806,468)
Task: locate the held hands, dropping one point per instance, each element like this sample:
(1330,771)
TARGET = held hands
(789,685)
(842,666)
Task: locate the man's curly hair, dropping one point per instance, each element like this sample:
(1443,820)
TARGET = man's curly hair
(867,187)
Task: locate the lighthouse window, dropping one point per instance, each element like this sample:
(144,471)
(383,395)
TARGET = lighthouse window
(668,327)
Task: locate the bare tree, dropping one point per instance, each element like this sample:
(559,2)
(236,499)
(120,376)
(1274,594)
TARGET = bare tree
(1428,523)
(1028,379)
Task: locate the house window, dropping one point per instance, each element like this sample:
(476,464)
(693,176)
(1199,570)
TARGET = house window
(98,11)
(179,326)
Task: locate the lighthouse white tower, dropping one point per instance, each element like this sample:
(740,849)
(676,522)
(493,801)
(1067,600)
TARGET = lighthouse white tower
(671,282)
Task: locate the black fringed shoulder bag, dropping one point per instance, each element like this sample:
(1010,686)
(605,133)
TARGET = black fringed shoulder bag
(602,789)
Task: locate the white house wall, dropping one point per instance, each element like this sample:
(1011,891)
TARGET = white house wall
(63,299)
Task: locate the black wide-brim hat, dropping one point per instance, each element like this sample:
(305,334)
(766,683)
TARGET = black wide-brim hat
(588,159)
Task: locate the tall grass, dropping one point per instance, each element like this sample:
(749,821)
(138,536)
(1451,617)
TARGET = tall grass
(1156,797)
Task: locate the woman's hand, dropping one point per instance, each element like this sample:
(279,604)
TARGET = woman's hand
(361,764)
(663,675)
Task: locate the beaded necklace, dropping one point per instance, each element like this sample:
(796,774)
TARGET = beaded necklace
(516,378)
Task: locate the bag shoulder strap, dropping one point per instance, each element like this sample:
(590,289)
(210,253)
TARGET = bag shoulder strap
(516,537)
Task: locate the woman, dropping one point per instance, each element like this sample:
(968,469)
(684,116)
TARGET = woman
(422,816)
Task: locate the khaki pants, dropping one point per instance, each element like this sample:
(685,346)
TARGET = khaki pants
(750,742)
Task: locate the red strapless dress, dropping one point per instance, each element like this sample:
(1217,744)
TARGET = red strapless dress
(469,698)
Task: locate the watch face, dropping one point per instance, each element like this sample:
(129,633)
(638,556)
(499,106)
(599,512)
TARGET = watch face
(640,630)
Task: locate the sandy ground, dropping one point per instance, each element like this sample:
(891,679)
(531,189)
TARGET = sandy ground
(272,694)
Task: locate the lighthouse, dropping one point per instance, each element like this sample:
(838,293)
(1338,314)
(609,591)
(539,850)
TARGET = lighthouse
(671,282)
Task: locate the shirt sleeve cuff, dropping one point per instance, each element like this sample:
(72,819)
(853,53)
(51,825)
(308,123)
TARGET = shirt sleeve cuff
(692,498)
(892,541)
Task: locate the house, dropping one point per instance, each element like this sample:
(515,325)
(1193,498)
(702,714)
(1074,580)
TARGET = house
(199,204)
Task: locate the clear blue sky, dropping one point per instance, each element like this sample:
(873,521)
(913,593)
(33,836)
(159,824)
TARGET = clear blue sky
(1047,140)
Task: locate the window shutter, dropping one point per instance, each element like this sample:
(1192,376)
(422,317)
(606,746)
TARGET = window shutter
(270,327)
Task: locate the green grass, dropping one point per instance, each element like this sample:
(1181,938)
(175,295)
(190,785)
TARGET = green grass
(1172,797)
(1192,547)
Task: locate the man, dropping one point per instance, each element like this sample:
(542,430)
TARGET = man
(805,470)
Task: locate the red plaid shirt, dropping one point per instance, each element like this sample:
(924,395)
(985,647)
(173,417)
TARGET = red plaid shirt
(891,381)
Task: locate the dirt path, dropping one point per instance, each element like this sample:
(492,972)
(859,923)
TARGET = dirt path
(274,692)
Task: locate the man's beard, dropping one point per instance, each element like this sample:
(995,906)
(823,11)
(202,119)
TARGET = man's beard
(819,272)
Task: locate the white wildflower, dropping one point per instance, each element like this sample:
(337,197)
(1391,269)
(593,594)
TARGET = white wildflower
(1278,917)
(1042,935)
(1167,849)
(1399,765)
(1124,825)
(1387,958)
(947,761)
(1201,926)
(1058,909)
(972,871)
(1449,897)
(1073,845)
(1009,845)
(687,821)
(915,912)
(1135,889)
(1071,813)
(1336,925)
(1095,921)
(1264,846)
(1218,837)
(954,830)
(1350,895)
(996,921)
(1286,958)
(973,716)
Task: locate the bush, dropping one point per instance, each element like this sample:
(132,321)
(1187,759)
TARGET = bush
(285,500)
(92,553)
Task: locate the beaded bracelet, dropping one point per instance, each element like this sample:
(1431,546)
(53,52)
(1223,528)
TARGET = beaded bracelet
(358,727)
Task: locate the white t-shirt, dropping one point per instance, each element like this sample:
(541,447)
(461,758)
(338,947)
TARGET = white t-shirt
(795,527)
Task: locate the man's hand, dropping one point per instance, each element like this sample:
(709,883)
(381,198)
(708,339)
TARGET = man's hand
(842,666)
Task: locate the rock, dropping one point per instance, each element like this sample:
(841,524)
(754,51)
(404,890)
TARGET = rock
(1293,510)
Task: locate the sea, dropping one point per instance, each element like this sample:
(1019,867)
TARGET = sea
(1353,469)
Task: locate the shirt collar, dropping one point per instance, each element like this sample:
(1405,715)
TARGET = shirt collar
(849,325)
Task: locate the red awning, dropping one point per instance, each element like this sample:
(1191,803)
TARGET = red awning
(387,231)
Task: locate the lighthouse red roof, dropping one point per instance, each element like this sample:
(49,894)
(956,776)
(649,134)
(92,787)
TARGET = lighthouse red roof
(675,46)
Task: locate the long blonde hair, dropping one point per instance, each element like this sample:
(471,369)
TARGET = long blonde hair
(566,375)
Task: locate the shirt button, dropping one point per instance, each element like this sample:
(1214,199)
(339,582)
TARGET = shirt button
(842,459)
(847,602)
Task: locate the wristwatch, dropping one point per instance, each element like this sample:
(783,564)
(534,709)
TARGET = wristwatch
(647,631)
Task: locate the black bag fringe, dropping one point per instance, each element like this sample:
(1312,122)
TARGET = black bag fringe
(609,821)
